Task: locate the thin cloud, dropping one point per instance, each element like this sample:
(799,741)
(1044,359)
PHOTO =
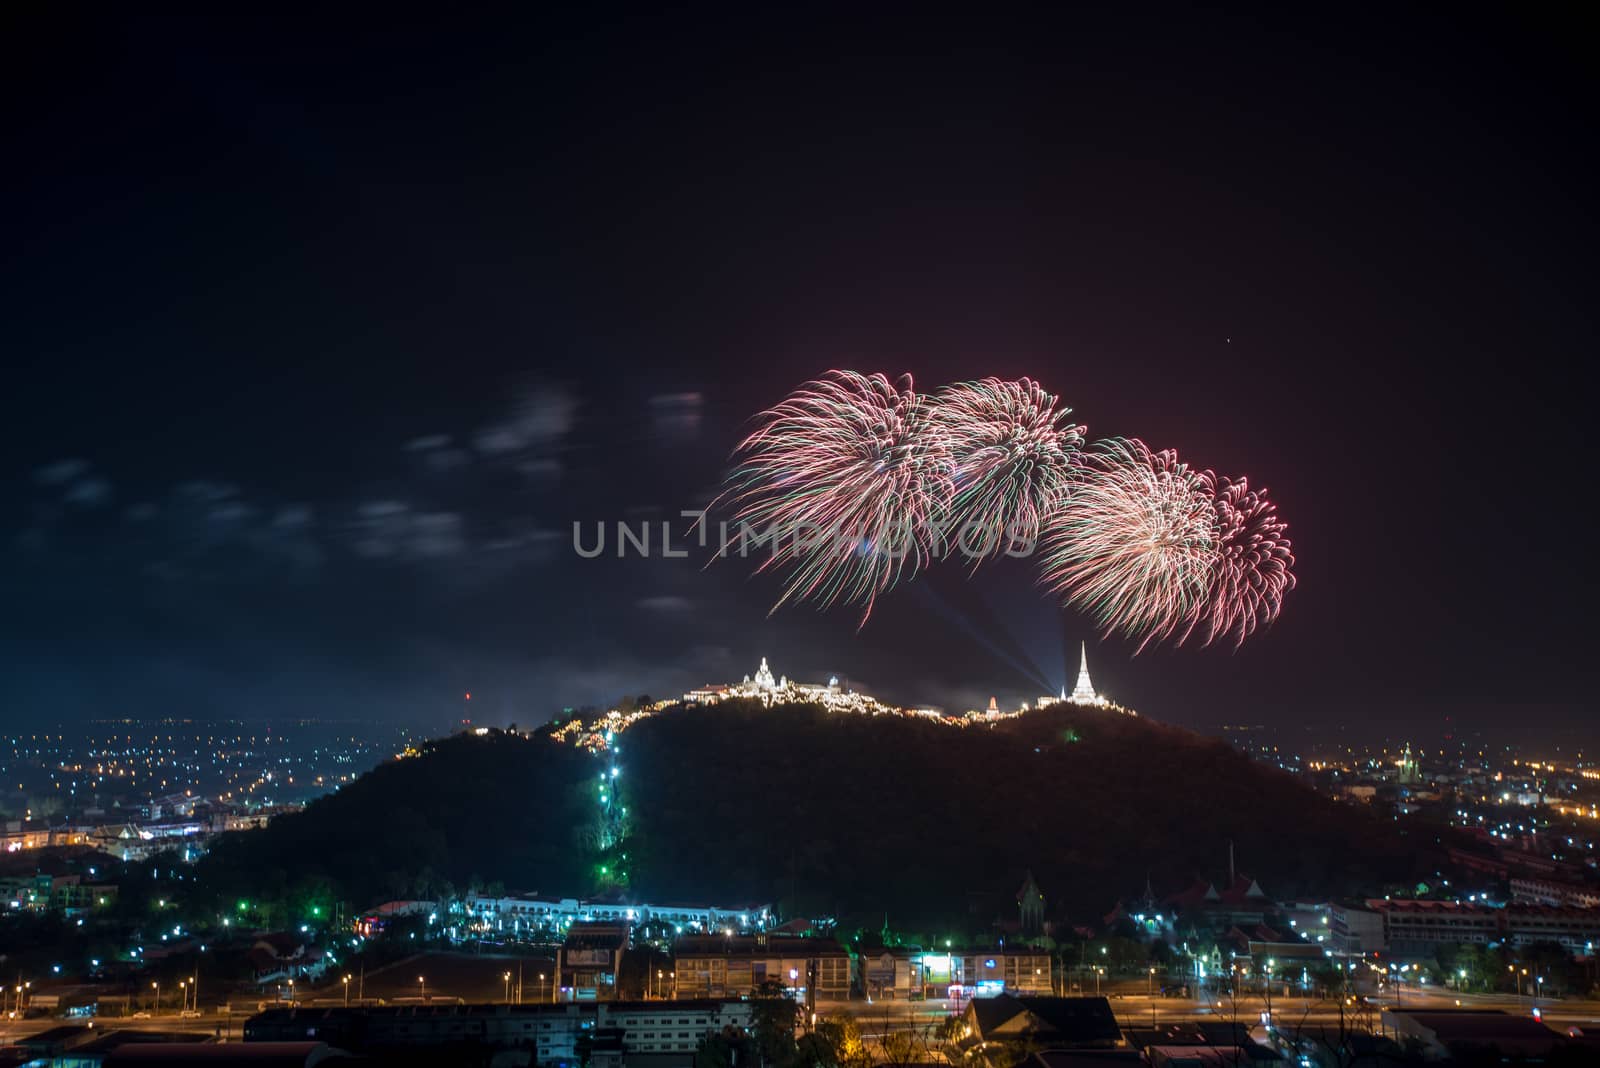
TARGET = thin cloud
(60,472)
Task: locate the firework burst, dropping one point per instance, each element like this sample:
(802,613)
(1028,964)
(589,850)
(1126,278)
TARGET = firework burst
(1135,544)
(1016,457)
(1254,566)
(847,473)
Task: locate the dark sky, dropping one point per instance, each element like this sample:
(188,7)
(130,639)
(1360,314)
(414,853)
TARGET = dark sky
(319,334)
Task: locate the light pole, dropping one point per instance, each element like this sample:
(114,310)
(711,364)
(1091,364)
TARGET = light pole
(291,993)
(183,995)
(422,989)
(541,986)
(1150,984)
(347,991)
(155,1008)
(507,978)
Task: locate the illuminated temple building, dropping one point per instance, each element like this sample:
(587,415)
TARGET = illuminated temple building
(782,690)
(1083,693)
(597,733)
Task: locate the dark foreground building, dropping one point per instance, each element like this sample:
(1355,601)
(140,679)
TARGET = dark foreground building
(1051,1023)
(649,1034)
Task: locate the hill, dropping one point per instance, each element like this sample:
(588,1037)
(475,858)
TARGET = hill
(832,813)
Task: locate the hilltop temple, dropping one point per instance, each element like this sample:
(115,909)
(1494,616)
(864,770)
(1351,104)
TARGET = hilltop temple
(768,690)
(1083,693)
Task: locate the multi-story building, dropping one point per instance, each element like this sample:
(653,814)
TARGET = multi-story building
(986,972)
(1576,929)
(506,913)
(68,894)
(1354,931)
(1421,926)
(1535,890)
(813,968)
(662,1034)
(589,960)
(71,895)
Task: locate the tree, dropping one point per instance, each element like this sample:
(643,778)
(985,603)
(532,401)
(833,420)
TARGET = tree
(772,1024)
(900,1047)
(720,1050)
(815,1050)
(843,1033)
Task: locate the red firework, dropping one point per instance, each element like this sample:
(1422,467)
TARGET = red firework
(1254,564)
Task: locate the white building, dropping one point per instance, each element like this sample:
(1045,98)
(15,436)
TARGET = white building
(770,691)
(527,912)
(662,1033)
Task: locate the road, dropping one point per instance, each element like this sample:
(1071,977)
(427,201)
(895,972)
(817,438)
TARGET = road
(480,979)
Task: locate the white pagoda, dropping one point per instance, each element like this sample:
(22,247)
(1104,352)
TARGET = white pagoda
(1083,693)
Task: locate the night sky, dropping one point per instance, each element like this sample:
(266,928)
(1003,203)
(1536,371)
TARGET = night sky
(319,335)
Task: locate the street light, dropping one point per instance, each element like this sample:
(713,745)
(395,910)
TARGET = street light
(291,993)
(507,978)
(541,986)
(1150,984)
(422,988)
(347,991)
(183,995)
(155,1009)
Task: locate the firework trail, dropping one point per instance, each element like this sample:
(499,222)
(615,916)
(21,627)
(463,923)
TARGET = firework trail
(849,472)
(1254,566)
(1016,457)
(1136,543)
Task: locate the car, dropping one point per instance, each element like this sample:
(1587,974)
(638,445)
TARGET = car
(190,1014)
(142,1014)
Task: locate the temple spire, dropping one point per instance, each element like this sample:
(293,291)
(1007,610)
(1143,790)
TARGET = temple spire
(1083,692)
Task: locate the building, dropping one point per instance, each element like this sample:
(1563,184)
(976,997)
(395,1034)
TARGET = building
(987,973)
(1243,904)
(71,895)
(589,960)
(1419,927)
(280,958)
(1537,890)
(1469,1033)
(375,920)
(768,690)
(1083,692)
(1573,928)
(18,835)
(67,894)
(892,973)
(533,913)
(661,1034)
(814,969)
(1042,1022)
(1354,931)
